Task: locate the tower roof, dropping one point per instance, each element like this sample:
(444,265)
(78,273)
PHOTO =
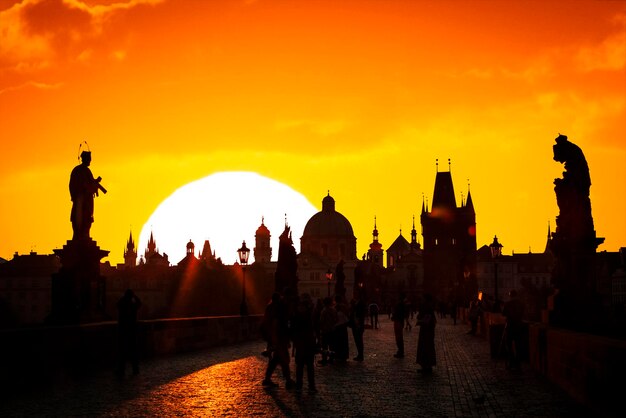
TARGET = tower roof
(469,204)
(262,229)
(399,246)
(443,195)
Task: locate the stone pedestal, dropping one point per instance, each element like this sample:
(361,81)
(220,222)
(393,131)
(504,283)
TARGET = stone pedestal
(78,290)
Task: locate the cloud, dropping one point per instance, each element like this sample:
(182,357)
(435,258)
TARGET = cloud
(32,84)
(35,31)
(610,54)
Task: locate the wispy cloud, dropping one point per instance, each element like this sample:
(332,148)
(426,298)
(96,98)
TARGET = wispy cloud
(32,84)
(610,54)
(321,128)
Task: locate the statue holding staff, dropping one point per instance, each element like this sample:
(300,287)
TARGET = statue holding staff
(83,189)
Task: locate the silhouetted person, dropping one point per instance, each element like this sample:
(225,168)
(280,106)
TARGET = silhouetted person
(398,316)
(514,313)
(357,320)
(328,319)
(303,334)
(408,316)
(373,311)
(276,324)
(475,312)
(83,188)
(317,313)
(127,308)
(342,343)
(427,320)
(453,308)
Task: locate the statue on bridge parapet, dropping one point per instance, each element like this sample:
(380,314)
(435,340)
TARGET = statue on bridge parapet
(574,243)
(78,289)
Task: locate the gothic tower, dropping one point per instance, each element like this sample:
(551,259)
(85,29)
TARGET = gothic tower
(449,234)
(130,255)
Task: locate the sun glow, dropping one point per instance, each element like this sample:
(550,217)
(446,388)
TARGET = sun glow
(226,208)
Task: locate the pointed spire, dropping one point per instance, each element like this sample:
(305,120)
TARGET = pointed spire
(548,240)
(413,234)
(468,201)
(130,244)
(375,231)
(437,164)
(151,243)
(449,165)
(423,207)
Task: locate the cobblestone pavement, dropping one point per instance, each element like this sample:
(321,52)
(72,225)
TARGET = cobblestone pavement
(226,381)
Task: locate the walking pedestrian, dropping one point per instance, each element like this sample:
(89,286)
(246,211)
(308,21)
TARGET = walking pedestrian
(275,321)
(373,311)
(427,320)
(357,321)
(328,319)
(514,313)
(342,347)
(127,308)
(398,316)
(475,312)
(303,334)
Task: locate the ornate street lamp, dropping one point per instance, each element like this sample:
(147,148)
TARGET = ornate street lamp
(329,278)
(496,251)
(243,253)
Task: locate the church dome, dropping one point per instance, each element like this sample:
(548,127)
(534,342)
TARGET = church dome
(262,230)
(328,222)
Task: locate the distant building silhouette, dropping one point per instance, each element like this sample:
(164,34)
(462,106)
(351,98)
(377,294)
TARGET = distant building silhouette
(407,270)
(152,254)
(262,248)
(130,253)
(449,239)
(375,252)
(327,239)
(529,274)
(25,283)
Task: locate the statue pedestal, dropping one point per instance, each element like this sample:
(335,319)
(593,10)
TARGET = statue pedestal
(78,290)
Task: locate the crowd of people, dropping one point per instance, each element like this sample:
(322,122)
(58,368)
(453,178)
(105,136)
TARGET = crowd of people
(293,322)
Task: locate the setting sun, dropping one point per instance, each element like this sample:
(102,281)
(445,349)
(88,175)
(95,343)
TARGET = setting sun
(225,209)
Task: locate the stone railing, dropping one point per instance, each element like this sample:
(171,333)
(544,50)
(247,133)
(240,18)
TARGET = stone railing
(33,356)
(590,368)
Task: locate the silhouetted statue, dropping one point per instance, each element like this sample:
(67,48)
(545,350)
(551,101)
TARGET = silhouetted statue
(574,242)
(83,188)
(286,275)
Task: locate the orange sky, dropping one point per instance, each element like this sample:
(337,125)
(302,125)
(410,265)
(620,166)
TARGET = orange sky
(359,97)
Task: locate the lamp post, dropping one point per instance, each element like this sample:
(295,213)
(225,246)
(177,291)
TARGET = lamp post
(243,253)
(496,251)
(329,278)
